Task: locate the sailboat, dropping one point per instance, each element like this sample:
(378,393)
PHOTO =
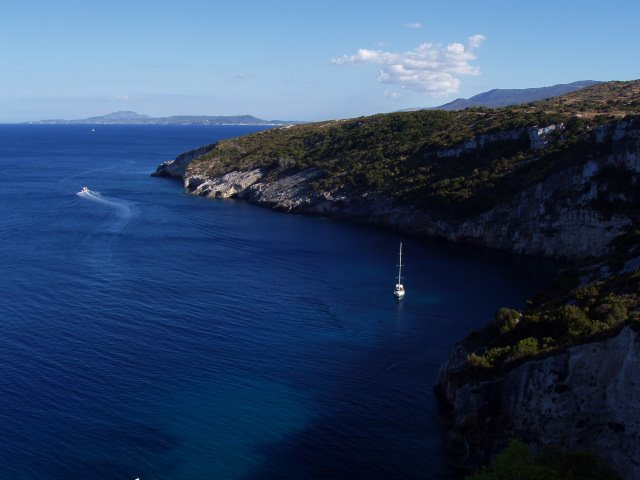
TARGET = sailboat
(398,291)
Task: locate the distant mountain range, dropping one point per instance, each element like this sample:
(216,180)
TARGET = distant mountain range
(499,97)
(132,118)
(503,97)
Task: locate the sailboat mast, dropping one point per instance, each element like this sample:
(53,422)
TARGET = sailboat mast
(400,266)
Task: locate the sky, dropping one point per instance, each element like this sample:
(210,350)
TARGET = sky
(296,60)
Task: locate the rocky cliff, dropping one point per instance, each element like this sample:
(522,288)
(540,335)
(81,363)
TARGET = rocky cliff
(586,397)
(176,168)
(561,215)
(557,178)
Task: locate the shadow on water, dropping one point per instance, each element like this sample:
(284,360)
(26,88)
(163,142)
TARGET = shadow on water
(367,427)
(324,449)
(119,451)
(382,424)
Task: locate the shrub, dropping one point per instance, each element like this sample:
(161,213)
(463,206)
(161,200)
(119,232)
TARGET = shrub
(478,361)
(525,348)
(507,319)
(613,310)
(516,462)
(574,320)
(490,358)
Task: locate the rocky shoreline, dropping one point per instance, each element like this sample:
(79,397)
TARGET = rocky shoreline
(554,218)
(585,396)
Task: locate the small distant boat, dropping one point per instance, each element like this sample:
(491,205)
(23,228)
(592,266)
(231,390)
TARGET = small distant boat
(93,129)
(398,291)
(85,190)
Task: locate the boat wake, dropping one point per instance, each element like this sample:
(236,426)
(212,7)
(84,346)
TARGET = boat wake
(100,244)
(123,210)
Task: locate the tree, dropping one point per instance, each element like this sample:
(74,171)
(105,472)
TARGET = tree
(516,462)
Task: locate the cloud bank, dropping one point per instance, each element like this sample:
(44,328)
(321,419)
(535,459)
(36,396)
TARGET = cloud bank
(429,68)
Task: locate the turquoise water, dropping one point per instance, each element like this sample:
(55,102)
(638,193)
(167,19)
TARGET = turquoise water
(147,333)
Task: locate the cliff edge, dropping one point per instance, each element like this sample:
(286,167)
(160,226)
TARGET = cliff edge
(586,398)
(556,178)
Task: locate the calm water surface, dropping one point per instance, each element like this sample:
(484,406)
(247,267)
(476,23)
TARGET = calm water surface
(147,333)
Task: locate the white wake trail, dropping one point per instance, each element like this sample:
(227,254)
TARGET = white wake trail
(122,209)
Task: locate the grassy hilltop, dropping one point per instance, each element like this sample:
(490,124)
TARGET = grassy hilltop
(401,154)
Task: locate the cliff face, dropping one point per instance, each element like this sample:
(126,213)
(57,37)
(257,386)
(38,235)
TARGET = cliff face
(584,398)
(176,168)
(557,178)
(558,217)
(555,217)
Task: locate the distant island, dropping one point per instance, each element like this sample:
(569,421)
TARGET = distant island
(133,118)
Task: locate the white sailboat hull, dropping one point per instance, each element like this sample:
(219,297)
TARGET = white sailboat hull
(398,292)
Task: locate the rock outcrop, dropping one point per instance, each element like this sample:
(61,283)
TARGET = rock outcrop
(176,168)
(586,397)
(231,185)
(538,138)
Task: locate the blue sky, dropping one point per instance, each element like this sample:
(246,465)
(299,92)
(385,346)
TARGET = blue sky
(298,60)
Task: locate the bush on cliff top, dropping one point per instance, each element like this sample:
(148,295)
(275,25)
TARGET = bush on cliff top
(607,296)
(516,462)
(552,327)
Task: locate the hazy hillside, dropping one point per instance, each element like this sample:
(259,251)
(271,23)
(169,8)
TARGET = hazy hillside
(133,118)
(500,97)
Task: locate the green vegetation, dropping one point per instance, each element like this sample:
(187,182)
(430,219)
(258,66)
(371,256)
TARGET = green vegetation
(404,155)
(591,299)
(516,462)
(456,164)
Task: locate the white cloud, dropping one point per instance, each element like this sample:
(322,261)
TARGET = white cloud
(476,40)
(430,68)
(414,25)
(391,94)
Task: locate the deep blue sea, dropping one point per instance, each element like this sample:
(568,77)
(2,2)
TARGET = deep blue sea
(147,333)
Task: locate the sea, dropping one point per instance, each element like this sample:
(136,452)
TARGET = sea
(146,333)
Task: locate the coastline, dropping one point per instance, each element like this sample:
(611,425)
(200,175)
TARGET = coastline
(579,203)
